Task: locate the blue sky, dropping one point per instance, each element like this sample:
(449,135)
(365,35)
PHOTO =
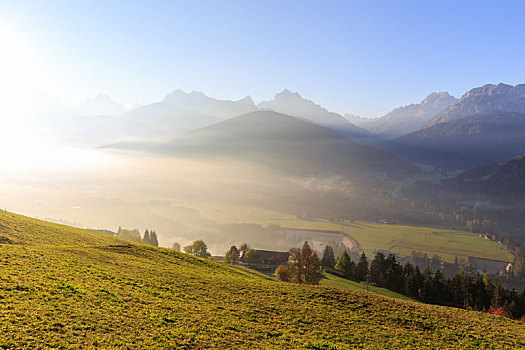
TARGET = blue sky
(361,57)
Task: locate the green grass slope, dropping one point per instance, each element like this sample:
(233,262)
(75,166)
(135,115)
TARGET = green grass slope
(80,289)
(339,282)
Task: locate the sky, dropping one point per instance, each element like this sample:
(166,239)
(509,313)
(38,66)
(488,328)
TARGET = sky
(359,57)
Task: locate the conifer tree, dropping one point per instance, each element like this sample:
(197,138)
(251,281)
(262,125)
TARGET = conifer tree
(361,270)
(377,269)
(345,264)
(146,239)
(328,259)
(153,239)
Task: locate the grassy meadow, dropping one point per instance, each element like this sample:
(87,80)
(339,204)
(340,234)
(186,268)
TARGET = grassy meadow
(343,283)
(62,287)
(446,241)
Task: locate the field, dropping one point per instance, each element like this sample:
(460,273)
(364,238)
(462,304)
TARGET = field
(62,287)
(330,280)
(339,282)
(445,241)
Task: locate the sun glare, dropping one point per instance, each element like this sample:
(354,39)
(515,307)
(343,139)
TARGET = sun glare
(21,79)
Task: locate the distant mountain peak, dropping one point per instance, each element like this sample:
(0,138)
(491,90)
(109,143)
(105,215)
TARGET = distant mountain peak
(493,89)
(409,118)
(293,104)
(484,99)
(190,99)
(101,104)
(435,97)
(287,94)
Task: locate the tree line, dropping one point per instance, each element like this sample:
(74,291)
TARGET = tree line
(462,291)
(149,237)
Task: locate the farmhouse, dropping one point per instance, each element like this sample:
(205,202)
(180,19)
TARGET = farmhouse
(271,258)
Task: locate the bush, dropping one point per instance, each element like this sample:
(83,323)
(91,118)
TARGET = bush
(251,257)
(499,312)
(283,273)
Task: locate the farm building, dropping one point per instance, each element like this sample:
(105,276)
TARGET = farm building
(272,258)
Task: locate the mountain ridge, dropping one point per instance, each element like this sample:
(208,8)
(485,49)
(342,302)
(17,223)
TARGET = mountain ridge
(292,103)
(483,99)
(409,118)
(288,143)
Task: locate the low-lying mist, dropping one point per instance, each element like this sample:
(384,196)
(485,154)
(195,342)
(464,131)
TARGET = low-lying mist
(112,189)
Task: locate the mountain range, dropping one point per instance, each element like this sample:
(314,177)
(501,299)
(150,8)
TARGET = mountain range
(287,143)
(293,104)
(99,105)
(486,126)
(406,119)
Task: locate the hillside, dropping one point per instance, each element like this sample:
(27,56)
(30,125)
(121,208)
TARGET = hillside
(70,288)
(464,143)
(503,182)
(293,104)
(289,144)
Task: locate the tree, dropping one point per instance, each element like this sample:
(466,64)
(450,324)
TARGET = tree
(328,259)
(133,235)
(243,247)
(146,239)
(176,247)
(251,257)
(153,239)
(361,270)
(305,265)
(378,269)
(198,248)
(232,256)
(284,273)
(345,264)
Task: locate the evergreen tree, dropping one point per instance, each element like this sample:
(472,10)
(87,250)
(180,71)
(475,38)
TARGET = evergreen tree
(361,270)
(439,288)
(328,257)
(153,239)
(393,274)
(146,239)
(345,264)
(378,269)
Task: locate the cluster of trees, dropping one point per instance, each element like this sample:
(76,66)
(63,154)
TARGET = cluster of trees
(198,248)
(305,267)
(250,256)
(232,255)
(150,237)
(463,291)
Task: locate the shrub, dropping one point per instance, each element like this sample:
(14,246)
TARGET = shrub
(499,312)
(283,273)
